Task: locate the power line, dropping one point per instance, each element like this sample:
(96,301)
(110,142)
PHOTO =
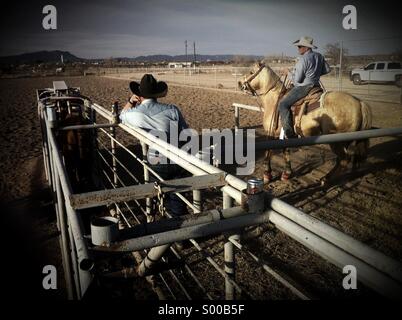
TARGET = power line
(374,39)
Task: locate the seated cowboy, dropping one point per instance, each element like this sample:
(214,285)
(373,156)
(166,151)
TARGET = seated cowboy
(144,111)
(308,70)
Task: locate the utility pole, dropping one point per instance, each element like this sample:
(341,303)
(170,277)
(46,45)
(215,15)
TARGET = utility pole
(195,57)
(340,67)
(185,44)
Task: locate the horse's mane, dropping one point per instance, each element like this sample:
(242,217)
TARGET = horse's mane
(271,73)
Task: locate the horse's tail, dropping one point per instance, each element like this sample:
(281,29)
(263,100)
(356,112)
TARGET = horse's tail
(362,146)
(366,116)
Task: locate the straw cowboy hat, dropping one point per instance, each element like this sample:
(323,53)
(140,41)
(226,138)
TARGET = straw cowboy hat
(149,87)
(305,42)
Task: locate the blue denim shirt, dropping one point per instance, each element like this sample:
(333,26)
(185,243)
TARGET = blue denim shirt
(153,115)
(309,68)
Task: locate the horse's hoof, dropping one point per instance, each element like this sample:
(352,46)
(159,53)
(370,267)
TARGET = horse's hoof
(285,176)
(267,177)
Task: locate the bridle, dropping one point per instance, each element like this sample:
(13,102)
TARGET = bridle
(248,88)
(253,92)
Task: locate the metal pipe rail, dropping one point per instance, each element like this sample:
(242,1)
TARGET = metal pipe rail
(349,244)
(140,228)
(312,225)
(322,139)
(137,220)
(367,274)
(328,138)
(106,197)
(85,263)
(144,164)
(87,126)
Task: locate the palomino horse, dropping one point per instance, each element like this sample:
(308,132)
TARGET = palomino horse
(339,112)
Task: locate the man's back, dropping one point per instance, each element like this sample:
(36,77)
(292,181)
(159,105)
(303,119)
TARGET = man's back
(310,67)
(153,115)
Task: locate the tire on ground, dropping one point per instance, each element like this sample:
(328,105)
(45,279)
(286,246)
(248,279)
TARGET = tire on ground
(356,79)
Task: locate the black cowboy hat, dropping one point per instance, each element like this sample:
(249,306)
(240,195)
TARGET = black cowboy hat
(149,87)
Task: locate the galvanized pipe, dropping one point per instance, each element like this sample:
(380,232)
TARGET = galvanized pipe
(113,145)
(151,143)
(88,126)
(245,106)
(151,171)
(156,253)
(356,248)
(229,256)
(367,274)
(66,257)
(327,138)
(351,245)
(237,118)
(85,262)
(44,141)
(153,256)
(312,224)
(184,159)
(74,262)
(180,222)
(195,231)
(197,201)
(148,200)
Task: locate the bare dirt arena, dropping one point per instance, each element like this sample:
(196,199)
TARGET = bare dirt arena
(366,204)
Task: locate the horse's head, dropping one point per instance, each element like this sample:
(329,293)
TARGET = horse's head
(260,81)
(252,82)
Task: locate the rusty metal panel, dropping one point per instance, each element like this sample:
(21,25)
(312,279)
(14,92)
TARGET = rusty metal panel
(106,197)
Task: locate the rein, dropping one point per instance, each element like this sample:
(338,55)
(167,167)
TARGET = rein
(253,92)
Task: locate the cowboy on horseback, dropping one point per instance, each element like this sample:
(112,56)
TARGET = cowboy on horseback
(308,70)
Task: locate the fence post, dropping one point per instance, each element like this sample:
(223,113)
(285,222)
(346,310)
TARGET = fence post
(237,118)
(114,212)
(235,72)
(229,255)
(215,77)
(148,201)
(66,257)
(340,66)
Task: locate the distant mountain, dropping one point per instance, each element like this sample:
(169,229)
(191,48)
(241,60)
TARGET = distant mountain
(190,57)
(55,56)
(40,57)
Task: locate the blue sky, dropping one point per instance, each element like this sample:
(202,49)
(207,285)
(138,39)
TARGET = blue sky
(101,29)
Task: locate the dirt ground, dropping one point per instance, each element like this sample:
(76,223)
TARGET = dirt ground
(365,204)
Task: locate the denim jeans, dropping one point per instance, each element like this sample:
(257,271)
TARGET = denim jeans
(174,204)
(296,93)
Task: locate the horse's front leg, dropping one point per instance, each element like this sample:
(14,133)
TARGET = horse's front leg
(267,167)
(286,174)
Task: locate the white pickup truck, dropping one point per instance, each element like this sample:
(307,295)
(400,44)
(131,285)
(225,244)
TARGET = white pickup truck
(378,72)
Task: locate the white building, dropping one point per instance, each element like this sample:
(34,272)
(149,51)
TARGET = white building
(179,64)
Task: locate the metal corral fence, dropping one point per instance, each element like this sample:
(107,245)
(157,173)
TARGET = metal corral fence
(227,77)
(80,250)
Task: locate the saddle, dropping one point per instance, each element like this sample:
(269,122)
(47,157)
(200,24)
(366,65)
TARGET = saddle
(306,105)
